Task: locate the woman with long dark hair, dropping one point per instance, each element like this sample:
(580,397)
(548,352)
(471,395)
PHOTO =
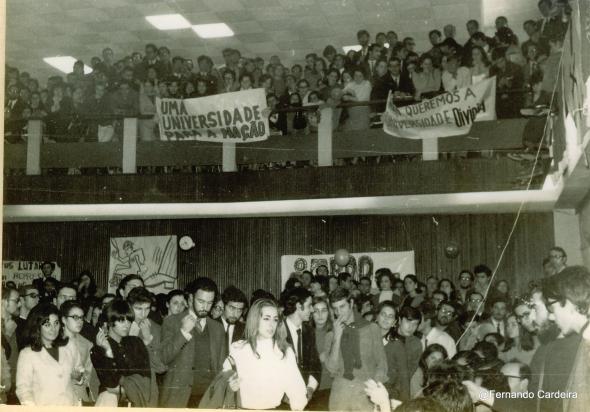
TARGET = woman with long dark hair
(265,363)
(49,366)
(86,289)
(431,357)
(324,334)
(414,296)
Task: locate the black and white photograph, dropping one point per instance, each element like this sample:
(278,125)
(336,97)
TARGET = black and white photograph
(319,205)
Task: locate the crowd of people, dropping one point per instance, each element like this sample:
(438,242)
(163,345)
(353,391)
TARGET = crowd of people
(74,109)
(329,342)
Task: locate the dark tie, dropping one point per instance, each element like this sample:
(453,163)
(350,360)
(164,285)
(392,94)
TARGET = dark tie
(299,346)
(227,341)
(498,328)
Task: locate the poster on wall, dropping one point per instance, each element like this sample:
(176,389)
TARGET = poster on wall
(151,257)
(23,272)
(360,264)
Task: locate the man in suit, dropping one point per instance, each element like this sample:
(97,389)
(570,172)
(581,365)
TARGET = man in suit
(397,81)
(301,336)
(369,65)
(363,38)
(193,348)
(140,300)
(234,304)
(496,323)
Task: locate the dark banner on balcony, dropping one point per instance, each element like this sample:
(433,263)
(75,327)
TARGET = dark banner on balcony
(229,117)
(450,114)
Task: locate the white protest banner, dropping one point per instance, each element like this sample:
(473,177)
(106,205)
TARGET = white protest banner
(449,114)
(151,257)
(360,264)
(228,117)
(23,272)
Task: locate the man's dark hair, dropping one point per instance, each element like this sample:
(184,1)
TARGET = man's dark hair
(410,313)
(482,269)
(328,50)
(204,58)
(444,385)
(140,295)
(343,277)
(473,21)
(488,351)
(428,310)
(261,294)
(420,405)
(233,294)
(437,32)
(107,295)
(177,59)
(324,282)
(126,280)
(478,35)
(175,292)
(468,272)
(573,284)
(48,263)
(68,305)
(338,294)
(201,283)
(365,278)
(373,46)
(361,33)
(292,297)
(492,378)
(558,249)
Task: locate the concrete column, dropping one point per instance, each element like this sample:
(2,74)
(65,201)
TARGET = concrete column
(34,140)
(130,146)
(228,157)
(325,154)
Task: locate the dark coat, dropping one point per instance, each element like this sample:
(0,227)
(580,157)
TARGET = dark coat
(178,355)
(310,364)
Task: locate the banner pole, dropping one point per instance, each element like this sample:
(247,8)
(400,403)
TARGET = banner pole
(430,149)
(228,157)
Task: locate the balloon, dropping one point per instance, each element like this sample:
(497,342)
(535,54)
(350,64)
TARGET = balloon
(342,257)
(452,250)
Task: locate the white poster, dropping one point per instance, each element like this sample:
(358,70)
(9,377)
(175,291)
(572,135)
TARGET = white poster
(360,264)
(235,117)
(449,114)
(23,272)
(152,257)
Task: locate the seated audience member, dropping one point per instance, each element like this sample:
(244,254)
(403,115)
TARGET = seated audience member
(432,356)
(431,334)
(357,354)
(50,366)
(403,350)
(480,65)
(122,362)
(147,106)
(509,82)
(454,76)
(427,81)
(359,90)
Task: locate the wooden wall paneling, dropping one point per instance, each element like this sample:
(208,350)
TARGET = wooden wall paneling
(246,252)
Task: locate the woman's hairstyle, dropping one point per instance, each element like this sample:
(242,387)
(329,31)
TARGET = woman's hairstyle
(67,306)
(319,300)
(37,317)
(435,347)
(117,310)
(384,272)
(90,290)
(446,280)
(140,295)
(253,320)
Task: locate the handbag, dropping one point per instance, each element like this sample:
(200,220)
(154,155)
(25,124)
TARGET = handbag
(237,403)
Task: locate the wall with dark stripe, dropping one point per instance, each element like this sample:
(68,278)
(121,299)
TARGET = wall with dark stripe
(247,251)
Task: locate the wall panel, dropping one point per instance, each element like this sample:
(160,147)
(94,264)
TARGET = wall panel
(247,251)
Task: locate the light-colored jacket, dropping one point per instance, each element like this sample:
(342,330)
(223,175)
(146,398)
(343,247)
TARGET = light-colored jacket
(41,380)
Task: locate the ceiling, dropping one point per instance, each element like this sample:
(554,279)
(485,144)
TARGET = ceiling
(288,28)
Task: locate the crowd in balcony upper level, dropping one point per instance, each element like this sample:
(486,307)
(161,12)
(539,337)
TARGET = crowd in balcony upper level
(128,85)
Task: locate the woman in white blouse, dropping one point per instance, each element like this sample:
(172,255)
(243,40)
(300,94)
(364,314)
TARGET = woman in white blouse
(480,65)
(358,90)
(266,365)
(49,367)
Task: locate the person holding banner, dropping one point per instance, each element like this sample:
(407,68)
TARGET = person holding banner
(427,81)
(454,76)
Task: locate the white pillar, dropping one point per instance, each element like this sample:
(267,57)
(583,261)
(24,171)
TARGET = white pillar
(130,146)
(34,147)
(228,157)
(430,149)
(325,155)
(566,227)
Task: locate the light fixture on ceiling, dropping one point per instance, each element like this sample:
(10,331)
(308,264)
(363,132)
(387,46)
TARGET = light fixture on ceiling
(168,22)
(65,64)
(213,30)
(355,47)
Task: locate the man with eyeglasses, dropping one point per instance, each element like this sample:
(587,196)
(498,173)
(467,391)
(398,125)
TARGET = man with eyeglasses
(496,323)
(430,334)
(446,320)
(67,292)
(558,258)
(465,285)
(519,376)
